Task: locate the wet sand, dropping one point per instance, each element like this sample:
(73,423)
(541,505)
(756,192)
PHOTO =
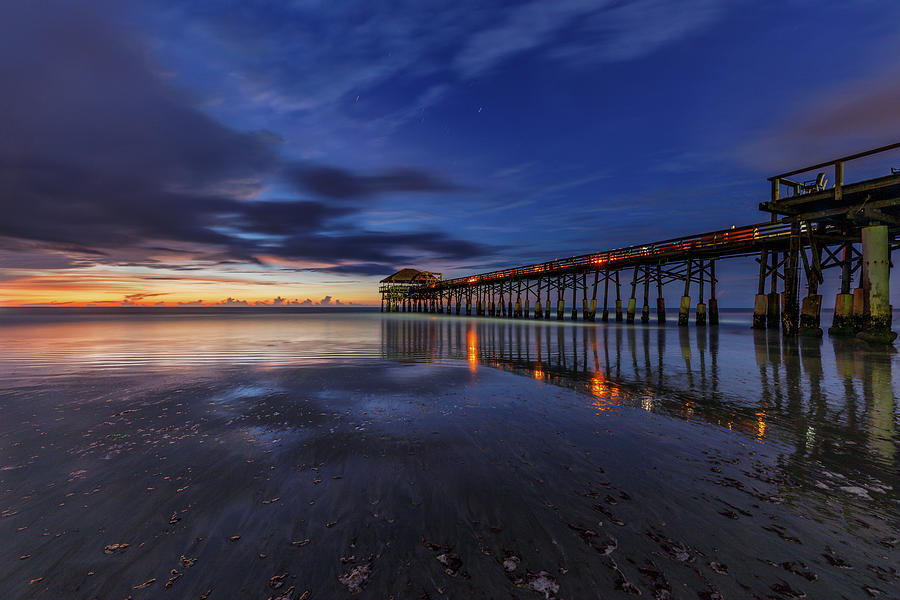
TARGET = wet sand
(427,458)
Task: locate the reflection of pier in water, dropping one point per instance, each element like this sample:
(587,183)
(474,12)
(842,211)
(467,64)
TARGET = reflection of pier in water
(826,412)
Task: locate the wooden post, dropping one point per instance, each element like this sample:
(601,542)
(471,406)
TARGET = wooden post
(713,301)
(632,301)
(773,303)
(560,302)
(759,302)
(605,315)
(701,306)
(618,300)
(574,297)
(789,312)
(684,310)
(842,324)
(593,306)
(645,308)
(660,301)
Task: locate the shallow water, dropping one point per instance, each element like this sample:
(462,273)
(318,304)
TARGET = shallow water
(418,456)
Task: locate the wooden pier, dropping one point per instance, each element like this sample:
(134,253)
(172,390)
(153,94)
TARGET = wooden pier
(814,225)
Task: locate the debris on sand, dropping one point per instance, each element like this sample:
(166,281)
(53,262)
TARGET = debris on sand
(187,561)
(356,577)
(511,563)
(834,560)
(276,581)
(720,568)
(452,563)
(300,543)
(288,595)
(607,547)
(147,583)
(658,582)
(174,519)
(783,588)
(541,582)
(175,576)
(234,538)
(113,548)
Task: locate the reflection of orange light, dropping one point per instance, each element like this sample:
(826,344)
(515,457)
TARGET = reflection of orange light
(761,424)
(603,391)
(539,373)
(472,349)
(689,409)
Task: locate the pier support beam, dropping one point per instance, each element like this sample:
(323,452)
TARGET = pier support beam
(618,300)
(660,301)
(858,310)
(759,302)
(810,315)
(645,308)
(790,317)
(701,307)
(605,315)
(842,323)
(773,304)
(684,310)
(713,301)
(876,277)
(574,298)
(632,300)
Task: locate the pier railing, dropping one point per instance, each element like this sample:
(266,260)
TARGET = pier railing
(721,243)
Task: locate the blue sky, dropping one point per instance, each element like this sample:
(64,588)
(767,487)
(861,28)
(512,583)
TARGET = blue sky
(181,151)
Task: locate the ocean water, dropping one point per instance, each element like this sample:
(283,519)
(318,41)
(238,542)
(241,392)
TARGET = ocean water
(341,454)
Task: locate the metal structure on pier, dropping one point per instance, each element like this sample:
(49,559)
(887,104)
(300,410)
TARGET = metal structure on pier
(814,225)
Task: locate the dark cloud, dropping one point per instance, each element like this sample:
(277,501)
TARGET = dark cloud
(142,296)
(100,156)
(333,182)
(358,269)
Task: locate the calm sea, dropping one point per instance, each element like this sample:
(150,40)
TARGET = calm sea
(277,454)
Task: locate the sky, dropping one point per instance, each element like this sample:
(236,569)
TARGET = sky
(190,152)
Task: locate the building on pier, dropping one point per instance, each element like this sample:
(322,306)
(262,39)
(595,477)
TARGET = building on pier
(407,290)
